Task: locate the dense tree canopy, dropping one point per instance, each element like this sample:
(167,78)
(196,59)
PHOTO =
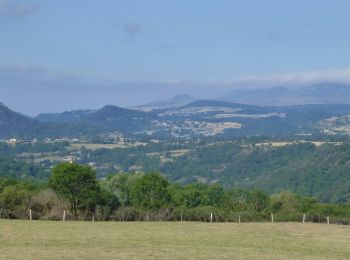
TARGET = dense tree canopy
(150,192)
(74,188)
(77,184)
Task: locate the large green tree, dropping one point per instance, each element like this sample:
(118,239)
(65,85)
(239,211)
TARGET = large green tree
(150,192)
(77,184)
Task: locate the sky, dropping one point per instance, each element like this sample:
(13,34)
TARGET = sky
(63,55)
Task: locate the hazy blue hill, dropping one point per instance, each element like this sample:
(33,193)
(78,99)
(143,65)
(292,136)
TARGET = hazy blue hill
(75,123)
(327,93)
(259,93)
(112,118)
(14,125)
(65,117)
(267,96)
(323,93)
(107,119)
(175,102)
(111,113)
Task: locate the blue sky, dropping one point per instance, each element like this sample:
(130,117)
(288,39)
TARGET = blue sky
(60,55)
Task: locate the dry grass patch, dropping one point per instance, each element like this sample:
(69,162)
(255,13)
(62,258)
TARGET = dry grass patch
(172,240)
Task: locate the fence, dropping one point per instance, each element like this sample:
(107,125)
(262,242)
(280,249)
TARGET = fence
(211,217)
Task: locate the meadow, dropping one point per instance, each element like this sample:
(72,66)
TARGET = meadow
(20,239)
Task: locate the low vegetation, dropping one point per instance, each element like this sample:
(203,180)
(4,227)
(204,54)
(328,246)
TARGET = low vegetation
(141,197)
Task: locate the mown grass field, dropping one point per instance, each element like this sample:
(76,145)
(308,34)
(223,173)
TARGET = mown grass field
(171,240)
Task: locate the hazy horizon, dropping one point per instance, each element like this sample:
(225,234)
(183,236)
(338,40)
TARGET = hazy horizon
(63,55)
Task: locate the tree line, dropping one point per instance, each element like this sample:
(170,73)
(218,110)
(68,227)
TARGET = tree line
(74,188)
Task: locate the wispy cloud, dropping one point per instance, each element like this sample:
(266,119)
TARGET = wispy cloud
(17,9)
(21,69)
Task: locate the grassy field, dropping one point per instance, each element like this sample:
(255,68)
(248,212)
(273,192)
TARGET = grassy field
(171,240)
(78,146)
(281,144)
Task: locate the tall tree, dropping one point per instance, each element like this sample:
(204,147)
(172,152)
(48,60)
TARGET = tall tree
(77,184)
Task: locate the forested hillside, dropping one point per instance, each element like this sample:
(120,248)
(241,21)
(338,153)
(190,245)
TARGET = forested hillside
(323,171)
(10,168)
(313,169)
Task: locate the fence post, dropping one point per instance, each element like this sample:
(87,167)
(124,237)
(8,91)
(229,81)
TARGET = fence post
(64,215)
(30,214)
(182,212)
(239,218)
(303,218)
(211,217)
(328,220)
(272,217)
(93,217)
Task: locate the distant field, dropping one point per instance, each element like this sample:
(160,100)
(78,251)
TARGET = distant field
(281,144)
(96,146)
(105,146)
(171,240)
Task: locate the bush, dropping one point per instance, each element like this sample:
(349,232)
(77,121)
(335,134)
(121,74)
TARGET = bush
(47,205)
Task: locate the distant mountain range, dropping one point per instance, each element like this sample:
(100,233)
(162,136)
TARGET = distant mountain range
(74,123)
(324,93)
(239,113)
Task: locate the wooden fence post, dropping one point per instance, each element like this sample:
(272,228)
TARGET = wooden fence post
(211,217)
(272,217)
(303,218)
(182,212)
(30,214)
(328,220)
(93,217)
(239,218)
(64,215)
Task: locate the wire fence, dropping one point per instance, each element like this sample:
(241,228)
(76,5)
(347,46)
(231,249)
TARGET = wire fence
(129,214)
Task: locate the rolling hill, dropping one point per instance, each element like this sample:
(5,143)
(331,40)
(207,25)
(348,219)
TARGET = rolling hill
(107,119)
(73,124)
(14,125)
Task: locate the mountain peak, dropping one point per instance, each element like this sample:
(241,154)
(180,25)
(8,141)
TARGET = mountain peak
(110,107)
